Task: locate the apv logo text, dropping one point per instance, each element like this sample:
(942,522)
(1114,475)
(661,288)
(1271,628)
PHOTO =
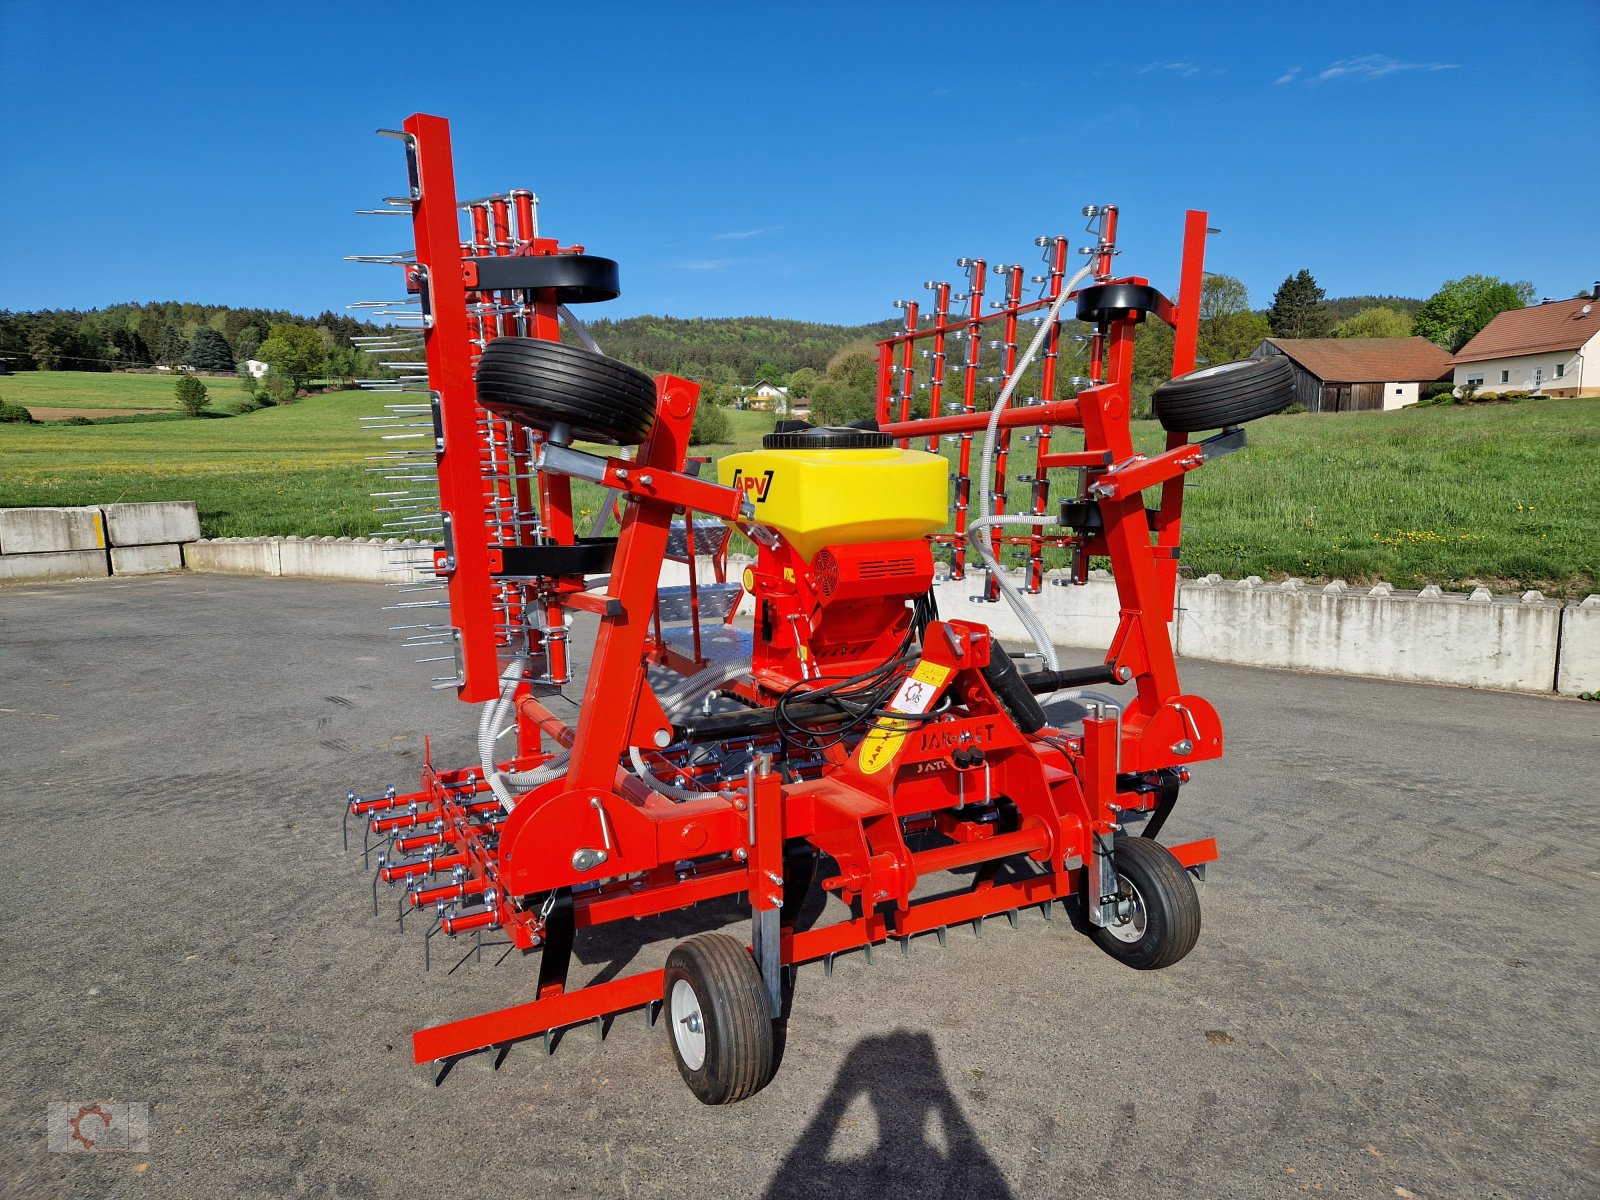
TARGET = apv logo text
(756,485)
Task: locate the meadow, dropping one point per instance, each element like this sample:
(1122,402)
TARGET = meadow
(1506,495)
(106,390)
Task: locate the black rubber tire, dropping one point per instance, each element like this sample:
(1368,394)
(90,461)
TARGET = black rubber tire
(736,1017)
(828,437)
(540,384)
(1113,301)
(1170,906)
(1226,394)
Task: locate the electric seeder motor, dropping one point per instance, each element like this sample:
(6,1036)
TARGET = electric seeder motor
(848,742)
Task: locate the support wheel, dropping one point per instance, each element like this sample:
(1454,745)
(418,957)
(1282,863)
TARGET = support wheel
(1226,394)
(1161,920)
(544,384)
(719,1019)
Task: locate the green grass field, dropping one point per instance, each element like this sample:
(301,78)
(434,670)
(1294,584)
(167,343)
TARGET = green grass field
(91,390)
(1504,495)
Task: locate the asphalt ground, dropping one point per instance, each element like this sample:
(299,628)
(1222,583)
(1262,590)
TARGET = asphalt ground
(1394,993)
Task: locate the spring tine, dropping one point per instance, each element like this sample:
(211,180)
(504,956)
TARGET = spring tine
(427,944)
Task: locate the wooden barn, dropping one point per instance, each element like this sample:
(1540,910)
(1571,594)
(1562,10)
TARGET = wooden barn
(1359,374)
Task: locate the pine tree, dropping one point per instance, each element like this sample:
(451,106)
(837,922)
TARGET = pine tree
(209,351)
(191,393)
(1296,311)
(170,346)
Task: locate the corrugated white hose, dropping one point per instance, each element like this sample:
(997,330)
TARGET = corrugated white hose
(579,328)
(686,693)
(1030,620)
(494,712)
(675,702)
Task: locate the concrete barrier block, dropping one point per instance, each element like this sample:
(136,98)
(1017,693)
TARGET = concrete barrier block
(343,558)
(146,560)
(51,530)
(1084,615)
(63,564)
(233,556)
(1580,648)
(160,522)
(1484,641)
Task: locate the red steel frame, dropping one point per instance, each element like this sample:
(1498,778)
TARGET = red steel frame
(899,382)
(532,870)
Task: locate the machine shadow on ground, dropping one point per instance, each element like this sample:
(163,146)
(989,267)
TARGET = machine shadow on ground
(890,1126)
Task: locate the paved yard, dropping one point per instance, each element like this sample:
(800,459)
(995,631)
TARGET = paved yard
(1395,992)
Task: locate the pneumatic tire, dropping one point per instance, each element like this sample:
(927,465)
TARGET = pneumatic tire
(542,384)
(718,1018)
(1226,394)
(1164,922)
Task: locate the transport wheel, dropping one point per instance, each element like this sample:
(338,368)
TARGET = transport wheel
(719,1019)
(542,384)
(1163,920)
(1226,394)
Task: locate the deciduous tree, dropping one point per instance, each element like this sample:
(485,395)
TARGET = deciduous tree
(294,352)
(1379,321)
(1459,310)
(1229,330)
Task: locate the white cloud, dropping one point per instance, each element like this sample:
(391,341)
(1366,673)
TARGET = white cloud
(1183,70)
(706,264)
(1374,66)
(739,235)
(1288,76)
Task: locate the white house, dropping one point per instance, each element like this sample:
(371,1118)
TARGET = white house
(768,397)
(1552,349)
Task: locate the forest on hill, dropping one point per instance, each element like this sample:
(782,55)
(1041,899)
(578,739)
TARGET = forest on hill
(169,333)
(730,352)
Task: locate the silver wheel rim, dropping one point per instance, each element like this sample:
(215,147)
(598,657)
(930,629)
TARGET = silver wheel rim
(1219,369)
(688,1025)
(1132,928)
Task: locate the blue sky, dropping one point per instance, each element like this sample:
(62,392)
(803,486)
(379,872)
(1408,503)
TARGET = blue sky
(809,160)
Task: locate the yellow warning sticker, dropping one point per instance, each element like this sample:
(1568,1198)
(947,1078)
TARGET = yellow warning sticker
(916,694)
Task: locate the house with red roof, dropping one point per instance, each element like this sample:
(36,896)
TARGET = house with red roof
(1358,374)
(1552,349)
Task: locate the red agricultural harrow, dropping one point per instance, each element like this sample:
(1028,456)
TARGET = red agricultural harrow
(859,742)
